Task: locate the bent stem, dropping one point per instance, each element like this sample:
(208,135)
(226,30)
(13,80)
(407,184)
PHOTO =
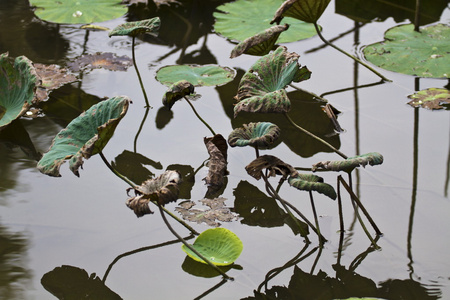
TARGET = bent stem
(348,54)
(139,74)
(200,118)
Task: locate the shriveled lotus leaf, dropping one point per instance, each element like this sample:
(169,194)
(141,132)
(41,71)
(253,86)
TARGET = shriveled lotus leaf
(274,165)
(18,80)
(205,75)
(262,87)
(137,27)
(311,182)
(177,91)
(162,190)
(261,43)
(78,11)
(432,98)
(52,77)
(305,10)
(347,165)
(85,136)
(217,149)
(260,134)
(106,60)
(220,245)
(422,54)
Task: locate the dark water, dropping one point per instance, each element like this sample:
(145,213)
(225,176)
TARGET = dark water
(83,222)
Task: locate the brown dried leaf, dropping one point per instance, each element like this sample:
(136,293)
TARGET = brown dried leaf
(275,166)
(52,77)
(217,149)
(107,60)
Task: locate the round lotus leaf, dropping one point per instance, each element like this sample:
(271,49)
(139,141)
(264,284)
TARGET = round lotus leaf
(432,98)
(205,75)
(242,19)
(261,134)
(221,246)
(17,87)
(311,182)
(422,54)
(78,11)
(138,27)
(305,10)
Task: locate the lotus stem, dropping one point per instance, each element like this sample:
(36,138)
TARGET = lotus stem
(139,74)
(200,118)
(349,55)
(315,218)
(316,137)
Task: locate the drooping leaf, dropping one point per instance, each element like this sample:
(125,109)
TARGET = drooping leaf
(311,182)
(261,43)
(18,81)
(138,27)
(242,19)
(262,87)
(162,190)
(347,165)
(432,98)
(261,135)
(424,54)
(220,245)
(305,10)
(106,60)
(273,164)
(177,91)
(85,136)
(51,77)
(205,75)
(78,11)
(217,164)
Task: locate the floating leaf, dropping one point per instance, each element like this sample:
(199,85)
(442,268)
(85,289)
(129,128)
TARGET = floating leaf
(137,28)
(311,182)
(18,81)
(305,10)
(372,158)
(205,75)
(242,19)
(177,91)
(162,190)
(432,98)
(261,43)
(261,135)
(52,77)
(217,164)
(85,136)
(78,11)
(107,60)
(262,87)
(275,166)
(422,54)
(221,246)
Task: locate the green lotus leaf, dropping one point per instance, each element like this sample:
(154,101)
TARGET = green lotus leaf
(221,246)
(422,54)
(261,43)
(138,27)
(261,135)
(432,98)
(85,136)
(306,10)
(18,81)
(311,182)
(78,11)
(347,165)
(262,87)
(242,19)
(273,164)
(176,92)
(205,75)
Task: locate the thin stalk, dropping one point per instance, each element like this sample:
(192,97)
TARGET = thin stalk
(256,151)
(315,217)
(347,54)
(316,137)
(200,118)
(139,74)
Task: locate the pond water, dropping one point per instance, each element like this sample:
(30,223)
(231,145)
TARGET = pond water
(83,222)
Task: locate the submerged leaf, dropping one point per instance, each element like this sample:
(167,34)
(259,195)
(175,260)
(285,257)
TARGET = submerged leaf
(52,77)
(221,246)
(261,135)
(176,92)
(217,149)
(273,164)
(305,10)
(107,60)
(137,27)
(205,75)
(311,182)
(85,136)
(372,158)
(432,98)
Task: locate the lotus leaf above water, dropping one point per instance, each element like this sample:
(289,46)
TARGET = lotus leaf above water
(306,10)
(177,91)
(138,27)
(347,165)
(274,165)
(204,75)
(260,134)
(432,98)
(311,182)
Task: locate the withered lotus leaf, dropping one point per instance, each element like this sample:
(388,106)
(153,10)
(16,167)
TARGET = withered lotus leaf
(52,77)
(217,149)
(432,98)
(273,164)
(347,165)
(311,182)
(137,27)
(304,10)
(176,92)
(261,135)
(107,60)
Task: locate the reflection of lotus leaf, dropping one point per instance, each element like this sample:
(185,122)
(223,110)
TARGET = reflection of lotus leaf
(205,75)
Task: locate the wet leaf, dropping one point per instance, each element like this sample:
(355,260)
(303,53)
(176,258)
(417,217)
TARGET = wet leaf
(78,11)
(177,91)
(221,246)
(18,80)
(273,164)
(106,60)
(261,43)
(162,190)
(217,164)
(261,135)
(52,77)
(205,75)
(424,54)
(305,10)
(372,158)
(242,19)
(432,98)
(85,136)
(311,182)
(138,27)
(262,87)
